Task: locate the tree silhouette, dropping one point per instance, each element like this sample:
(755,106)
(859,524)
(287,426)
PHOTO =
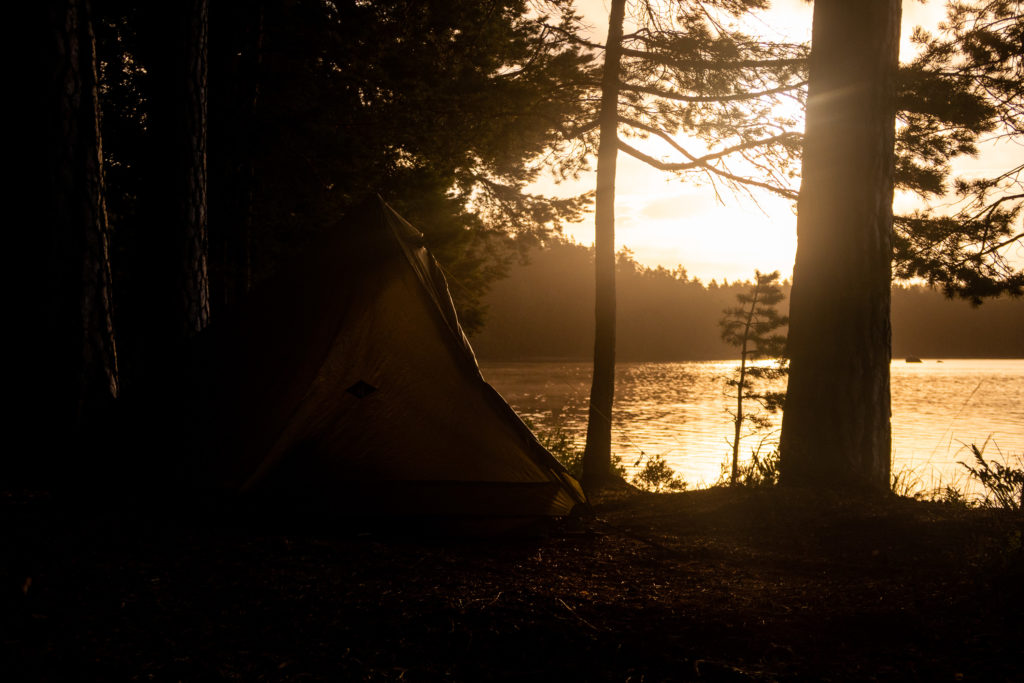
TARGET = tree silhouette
(66,378)
(684,71)
(172,258)
(597,459)
(446,109)
(835,429)
(750,327)
(965,84)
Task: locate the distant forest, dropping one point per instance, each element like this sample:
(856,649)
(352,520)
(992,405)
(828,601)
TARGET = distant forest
(544,310)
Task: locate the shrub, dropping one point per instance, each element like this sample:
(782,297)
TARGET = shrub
(950,495)
(560,443)
(761,471)
(905,483)
(1004,485)
(656,475)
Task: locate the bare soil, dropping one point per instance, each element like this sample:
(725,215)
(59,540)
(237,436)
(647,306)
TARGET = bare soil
(716,585)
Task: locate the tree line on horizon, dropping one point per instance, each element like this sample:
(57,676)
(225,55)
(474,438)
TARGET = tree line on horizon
(541,311)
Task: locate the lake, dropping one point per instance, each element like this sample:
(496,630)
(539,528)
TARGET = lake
(679,410)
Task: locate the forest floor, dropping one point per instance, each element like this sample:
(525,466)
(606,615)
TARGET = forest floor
(712,585)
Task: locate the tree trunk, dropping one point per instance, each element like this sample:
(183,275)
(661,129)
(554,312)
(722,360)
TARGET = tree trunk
(739,389)
(739,416)
(597,454)
(835,428)
(68,377)
(172,301)
(236,27)
(194,287)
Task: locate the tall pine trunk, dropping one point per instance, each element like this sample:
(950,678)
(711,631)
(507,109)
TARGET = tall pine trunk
(235,56)
(66,375)
(835,429)
(597,454)
(172,299)
(194,287)
(169,302)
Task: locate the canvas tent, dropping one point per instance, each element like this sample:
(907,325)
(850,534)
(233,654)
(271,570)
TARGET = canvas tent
(348,382)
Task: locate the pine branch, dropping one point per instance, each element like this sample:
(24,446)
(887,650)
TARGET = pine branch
(996,247)
(708,64)
(710,99)
(703,160)
(663,166)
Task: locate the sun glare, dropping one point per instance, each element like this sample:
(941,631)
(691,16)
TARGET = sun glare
(669,221)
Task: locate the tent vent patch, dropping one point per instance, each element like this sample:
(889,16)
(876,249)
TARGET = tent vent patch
(361,389)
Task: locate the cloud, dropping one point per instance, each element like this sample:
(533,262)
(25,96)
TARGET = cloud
(679,206)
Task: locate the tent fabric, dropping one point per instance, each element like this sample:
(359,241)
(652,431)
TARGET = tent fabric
(349,381)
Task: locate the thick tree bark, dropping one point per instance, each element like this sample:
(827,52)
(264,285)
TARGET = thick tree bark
(236,46)
(172,299)
(67,377)
(835,428)
(597,454)
(195,284)
(167,249)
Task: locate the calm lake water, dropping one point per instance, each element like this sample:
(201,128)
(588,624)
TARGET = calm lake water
(679,410)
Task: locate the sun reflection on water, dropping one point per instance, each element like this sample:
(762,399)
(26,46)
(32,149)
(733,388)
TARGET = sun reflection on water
(680,411)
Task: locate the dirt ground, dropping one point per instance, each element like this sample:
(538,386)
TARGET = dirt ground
(713,585)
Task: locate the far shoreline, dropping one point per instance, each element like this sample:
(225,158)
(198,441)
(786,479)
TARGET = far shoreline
(897,358)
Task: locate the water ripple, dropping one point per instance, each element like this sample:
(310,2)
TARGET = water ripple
(680,411)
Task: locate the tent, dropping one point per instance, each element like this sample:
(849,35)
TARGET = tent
(347,383)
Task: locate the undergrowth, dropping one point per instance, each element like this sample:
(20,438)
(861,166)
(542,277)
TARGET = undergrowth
(761,471)
(656,475)
(1002,483)
(560,443)
(652,473)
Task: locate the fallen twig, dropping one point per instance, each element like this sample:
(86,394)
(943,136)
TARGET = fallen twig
(575,614)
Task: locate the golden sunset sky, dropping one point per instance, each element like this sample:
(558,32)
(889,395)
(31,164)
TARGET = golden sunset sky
(669,221)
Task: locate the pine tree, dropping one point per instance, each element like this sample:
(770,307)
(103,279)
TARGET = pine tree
(685,72)
(66,378)
(448,109)
(964,85)
(751,327)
